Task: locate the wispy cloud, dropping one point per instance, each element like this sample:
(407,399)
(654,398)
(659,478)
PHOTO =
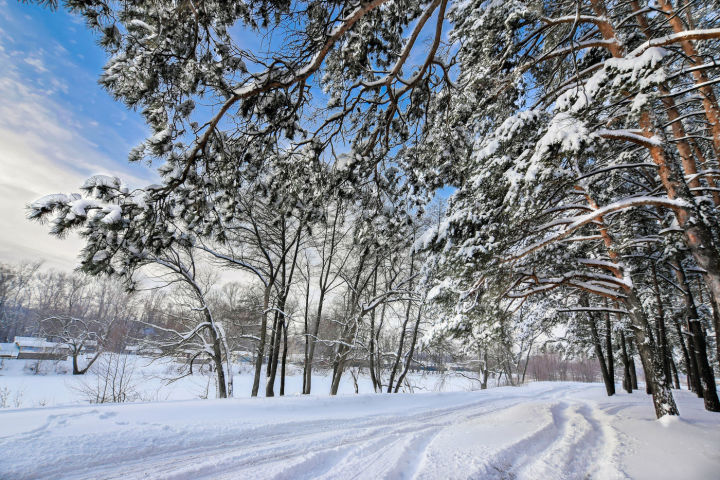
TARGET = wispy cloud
(36,63)
(46,146)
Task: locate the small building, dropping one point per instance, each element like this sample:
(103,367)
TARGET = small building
(89,347)
(35,348)
(242,356)
(9,350)
(131,349)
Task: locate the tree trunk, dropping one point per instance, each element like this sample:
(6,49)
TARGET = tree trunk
(716,320)
(627,380)
(343,351)
(338,368)
(219,369)
(261,343)
(676,378)
(324,285)
(660,326)
(306,331)
(633,374)
(379,361)
(483,386)
(349,331)
(693,380)
(609,349)
(662,395)
(411,352)
(307,380)
(398,354)
(401,343)
(697,380)
(373,377)
(284,360)
(527,360)
(76,370)
(609,384)
(697,332)
(271,346)
(277,337)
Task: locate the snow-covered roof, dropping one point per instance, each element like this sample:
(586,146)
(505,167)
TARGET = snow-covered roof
(9,350)
(34,342)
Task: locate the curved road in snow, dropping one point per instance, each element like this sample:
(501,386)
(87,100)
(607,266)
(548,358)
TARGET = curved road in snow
(540,431)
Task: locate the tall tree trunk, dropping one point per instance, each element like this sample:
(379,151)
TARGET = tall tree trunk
(609,384)
(693,380)
(527,361)
(662,395)
(697,377)
(280,320)
(401,343)
(343,350)
(339,364)
(697,331)
(379,361)
(609,349)
(324,284)
(373,377)
(411,352)
(716,318)
(284,360)
(633,373)
(219,369)
(307,380)
(660,326)
(75,354)
(627,380)
(398,354)
(261,344)
(306,331)
(676,378)
(350,330)
(271,345)
(483,385)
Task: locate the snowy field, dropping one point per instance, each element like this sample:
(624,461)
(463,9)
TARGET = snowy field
(538,431)
(157,380)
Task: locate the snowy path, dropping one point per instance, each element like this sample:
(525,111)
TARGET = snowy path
(544,430)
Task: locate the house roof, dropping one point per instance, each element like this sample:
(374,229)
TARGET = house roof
(34,342)
(9,350)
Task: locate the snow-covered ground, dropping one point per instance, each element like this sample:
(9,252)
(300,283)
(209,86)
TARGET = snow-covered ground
(538,431)
(158,380)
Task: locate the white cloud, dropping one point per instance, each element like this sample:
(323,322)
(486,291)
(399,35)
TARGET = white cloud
(43,150)
(37,64)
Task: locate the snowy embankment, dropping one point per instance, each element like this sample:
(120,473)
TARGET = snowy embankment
(539,431)
(158,380)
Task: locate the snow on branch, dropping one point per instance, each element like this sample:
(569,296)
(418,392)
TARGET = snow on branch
(581,221)
(594,309)
(634,136)
(261,83)
(677,38)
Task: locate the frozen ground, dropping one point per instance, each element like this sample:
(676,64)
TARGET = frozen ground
(539,431)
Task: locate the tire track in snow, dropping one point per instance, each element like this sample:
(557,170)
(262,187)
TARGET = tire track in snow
(216,461)
(570,450)
(396,445)
(505,461)
(579,444)
(259,449)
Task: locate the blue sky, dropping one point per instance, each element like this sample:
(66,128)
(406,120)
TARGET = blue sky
(57,125)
